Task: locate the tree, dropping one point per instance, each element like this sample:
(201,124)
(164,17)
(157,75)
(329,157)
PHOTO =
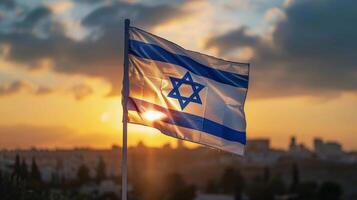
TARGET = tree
(17,167)
(307,190)
(295,175)
(276,186)
(212,186)
(35,174)
(258,190)
(239,185)
(177,189)
(1,177)
(266,176)
(228,180)
(83,174)
(232,182)
(23,170)
(330,191)
(101,170)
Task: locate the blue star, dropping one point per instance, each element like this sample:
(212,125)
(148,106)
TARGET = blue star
(185,80)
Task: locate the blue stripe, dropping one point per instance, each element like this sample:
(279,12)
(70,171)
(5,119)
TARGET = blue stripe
(191,121)
(155,52)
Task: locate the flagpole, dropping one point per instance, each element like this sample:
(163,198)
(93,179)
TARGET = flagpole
(125,95)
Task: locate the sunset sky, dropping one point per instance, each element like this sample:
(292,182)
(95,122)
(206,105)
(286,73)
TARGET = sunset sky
(61,66)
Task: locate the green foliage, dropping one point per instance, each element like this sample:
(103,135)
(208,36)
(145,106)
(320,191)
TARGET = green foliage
(35,174)
(266,176)
(11,188)
(330,191)
(307,190)
(177,189)
(295,176)
(212,187)
(232,182)
(16,168)
(23,170)
(83,174)
(101,170)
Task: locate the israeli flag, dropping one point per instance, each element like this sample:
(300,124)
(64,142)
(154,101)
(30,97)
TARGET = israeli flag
(185,94)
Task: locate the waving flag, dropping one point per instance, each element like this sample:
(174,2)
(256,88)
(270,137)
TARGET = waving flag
(185,94)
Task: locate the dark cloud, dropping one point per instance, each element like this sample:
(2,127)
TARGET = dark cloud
(229,41)
(43,90)
(18,86)
(7,4)
(144,2)
(33,17)
(99,54)
(91,2)
(12,88)
(142,15)
(313,51)
(81,91)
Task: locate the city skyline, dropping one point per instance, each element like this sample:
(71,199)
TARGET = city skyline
(263,144)
(61,67)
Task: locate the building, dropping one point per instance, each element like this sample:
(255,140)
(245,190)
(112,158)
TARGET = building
(298,150)
(328,150)
(258,145)
(259,152)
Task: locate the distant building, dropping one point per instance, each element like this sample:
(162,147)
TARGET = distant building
(258,145)
(327,150)
(292,143)
(298,150)
(259,152)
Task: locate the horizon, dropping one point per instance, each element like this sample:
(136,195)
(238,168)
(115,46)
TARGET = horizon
(186,144)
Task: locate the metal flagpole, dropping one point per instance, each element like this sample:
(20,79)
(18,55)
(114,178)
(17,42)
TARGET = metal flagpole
(125,95)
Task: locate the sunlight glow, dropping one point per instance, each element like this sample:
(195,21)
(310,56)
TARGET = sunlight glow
(105,117)
(153,115)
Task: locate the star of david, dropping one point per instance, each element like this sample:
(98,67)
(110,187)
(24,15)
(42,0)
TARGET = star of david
(185,100)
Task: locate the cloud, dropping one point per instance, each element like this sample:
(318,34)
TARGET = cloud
(18,86)
(258,5)
(99,54)
(274,15)
(43,90)
(231,40)
(34,17)
(7,4)
(312,51)
(60,7)
(81,91)
(12,88)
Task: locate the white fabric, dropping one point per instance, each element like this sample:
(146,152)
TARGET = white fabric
(222,104)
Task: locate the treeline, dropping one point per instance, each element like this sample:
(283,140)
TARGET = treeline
(268,187)
(25,183)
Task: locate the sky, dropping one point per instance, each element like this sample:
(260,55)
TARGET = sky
(61,66)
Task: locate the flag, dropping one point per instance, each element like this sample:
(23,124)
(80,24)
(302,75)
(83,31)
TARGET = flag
(185,94)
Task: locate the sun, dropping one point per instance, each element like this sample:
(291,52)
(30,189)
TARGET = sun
(105,117)
(153,115)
